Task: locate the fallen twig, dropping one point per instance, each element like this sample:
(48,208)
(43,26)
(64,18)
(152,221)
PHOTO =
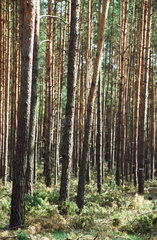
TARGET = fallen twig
(142,215)
(128,238)
(96,237)
(4,195)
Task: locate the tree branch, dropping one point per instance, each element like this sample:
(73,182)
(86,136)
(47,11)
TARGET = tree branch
(47,40)
(54,17)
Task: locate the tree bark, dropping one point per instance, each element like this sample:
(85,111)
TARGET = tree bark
(33,113)
(67,142)
(17,217)
(99,139)
(91,98)
(48,102)
(144,80)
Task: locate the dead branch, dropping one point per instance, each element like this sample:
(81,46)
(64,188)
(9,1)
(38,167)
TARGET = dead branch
(54,17)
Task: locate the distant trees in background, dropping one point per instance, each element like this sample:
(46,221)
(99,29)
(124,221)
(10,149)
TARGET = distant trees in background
(77,96)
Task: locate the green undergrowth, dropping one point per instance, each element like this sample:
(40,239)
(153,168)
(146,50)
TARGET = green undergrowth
(117,213)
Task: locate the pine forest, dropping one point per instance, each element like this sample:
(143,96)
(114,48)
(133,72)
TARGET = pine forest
(78,119)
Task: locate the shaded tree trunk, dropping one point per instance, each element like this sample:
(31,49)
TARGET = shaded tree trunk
(17,217)
(144,80)
(99,139)
(67,142)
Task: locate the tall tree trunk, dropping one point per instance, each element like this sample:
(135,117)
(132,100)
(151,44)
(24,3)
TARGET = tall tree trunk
(1,48)
(17,217)
(99,139)
(137,100)
(48,102)
(7,80)
(144,92)
(33,113)
(67,142)
(121,107)
(91,98)
(59,96)
(153,126)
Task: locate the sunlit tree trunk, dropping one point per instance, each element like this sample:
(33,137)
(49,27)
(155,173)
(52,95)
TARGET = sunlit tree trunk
(153,125)
(48,102)
(2,72)
(33,114)
(59,96)
(7,81)
(55,163)
(91,98)
(121,108)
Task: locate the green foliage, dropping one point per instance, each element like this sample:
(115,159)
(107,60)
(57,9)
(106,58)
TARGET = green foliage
(23,236)
(42,194)
(54,196)
(69,208)
(144,224)
(5,204)
(154,204)
(60,235)
(117,210)
(128,236)
(85,220)
(73,208)
(33,202)
(106,199)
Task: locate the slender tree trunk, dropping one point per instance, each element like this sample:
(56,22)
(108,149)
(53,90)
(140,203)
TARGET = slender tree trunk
(1,47)
(67,142)
(153,126)
(33,113)
(137,100)
(48,102)
(7,80)
(144,92)
(121,107)
(59,97)
(54,93)
(99,139)
(91,98)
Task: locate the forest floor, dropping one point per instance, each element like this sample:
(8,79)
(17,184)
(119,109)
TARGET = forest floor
(118,213)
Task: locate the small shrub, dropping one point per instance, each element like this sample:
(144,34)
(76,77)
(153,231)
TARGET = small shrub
(85,220)
(5,204)
(54,196)
(73,208)
(23,236)
(142,225)
(42,194)
(59,235)
(33,202)
(154,204)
